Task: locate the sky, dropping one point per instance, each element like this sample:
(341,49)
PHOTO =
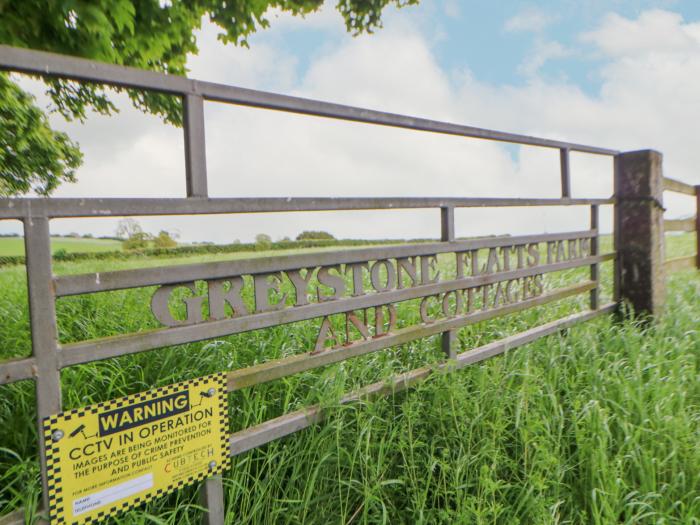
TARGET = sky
(619,74)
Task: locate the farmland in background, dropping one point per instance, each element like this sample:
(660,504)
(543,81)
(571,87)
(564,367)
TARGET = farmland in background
(12,246)
(599,424)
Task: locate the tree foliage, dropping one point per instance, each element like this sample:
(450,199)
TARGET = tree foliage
(314,235)
(32,155)
(132,235)
(149,34)
(164,239)
(130,232)
(127,228)
(263,241)
(138,241)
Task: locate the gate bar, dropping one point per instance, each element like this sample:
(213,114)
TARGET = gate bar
(595,250)
(279,368)
(447,215)
(195,148)
(697,226)
(54,65)
(287,424)
(565,168)
(121,207)
(123,279)
(108,347)
(42,313)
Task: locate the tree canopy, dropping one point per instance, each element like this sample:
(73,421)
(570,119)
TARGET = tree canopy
(32,155)
(149,34)
(307,235)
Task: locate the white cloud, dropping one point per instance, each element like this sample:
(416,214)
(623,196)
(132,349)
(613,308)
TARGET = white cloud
(326,19)
(543,52)
(648,99)
(655,32)
(452,9)
(262,66)
(531,20)
(392,71)
(651,83)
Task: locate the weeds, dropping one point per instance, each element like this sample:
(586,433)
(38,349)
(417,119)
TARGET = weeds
(598,425)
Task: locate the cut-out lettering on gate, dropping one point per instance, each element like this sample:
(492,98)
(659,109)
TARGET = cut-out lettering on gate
(477,279)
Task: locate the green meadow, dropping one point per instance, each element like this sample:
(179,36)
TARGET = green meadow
(11,246)
(598,424)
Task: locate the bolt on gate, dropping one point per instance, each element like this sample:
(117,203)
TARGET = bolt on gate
(494,277)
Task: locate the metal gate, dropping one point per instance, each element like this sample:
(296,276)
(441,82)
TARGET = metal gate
(494,276)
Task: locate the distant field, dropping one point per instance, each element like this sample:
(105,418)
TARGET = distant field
(599,423)
(676,246)
(15,245)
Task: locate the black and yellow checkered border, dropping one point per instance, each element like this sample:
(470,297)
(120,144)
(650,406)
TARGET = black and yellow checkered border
(53,469)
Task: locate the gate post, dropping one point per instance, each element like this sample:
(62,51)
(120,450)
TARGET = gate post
(211,497)
(449,341)
(42,315)
(697,226)
(639,231)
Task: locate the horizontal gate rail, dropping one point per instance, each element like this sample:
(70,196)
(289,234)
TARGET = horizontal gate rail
(679,225)
(678,187)
(69,208)
(282,426)
(680,263)
(100,349)
(53,65)
(83,352)
(285,367)
(17,369)
(49,357)
(119,280)
(691,224)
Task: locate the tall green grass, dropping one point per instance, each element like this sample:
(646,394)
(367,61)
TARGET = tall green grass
(600,424)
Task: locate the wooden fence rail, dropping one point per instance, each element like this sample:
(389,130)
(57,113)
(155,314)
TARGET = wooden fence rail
(690,224)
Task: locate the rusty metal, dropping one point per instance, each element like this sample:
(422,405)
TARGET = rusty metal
(447,218)
(449,340)
(123,279)
(396,273)
(86,351)
(118,207)
(280,368)
(211,497)
(595,268)
(564,166)
(42,315)
(17,369)
(617,240)
(195,149)
(52,65)
(290,423)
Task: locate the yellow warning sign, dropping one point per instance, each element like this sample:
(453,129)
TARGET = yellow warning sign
(113,456)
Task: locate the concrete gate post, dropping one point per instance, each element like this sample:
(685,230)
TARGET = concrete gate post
(639,231)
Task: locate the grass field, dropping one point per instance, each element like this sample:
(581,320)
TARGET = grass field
(599,425)
(10,246)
